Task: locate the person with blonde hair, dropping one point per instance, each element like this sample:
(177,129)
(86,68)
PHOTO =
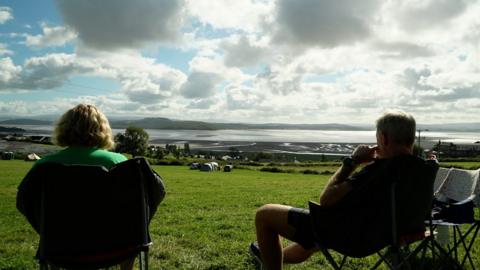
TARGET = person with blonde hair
(85,133)
(87,136)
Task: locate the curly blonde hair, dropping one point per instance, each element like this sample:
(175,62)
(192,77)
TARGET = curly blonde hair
(83,125)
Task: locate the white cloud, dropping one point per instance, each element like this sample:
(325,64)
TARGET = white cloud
(141,78)
(426,14)
(5,14)
(117,24)
(4,50)
(243,52)
(51,37)
(245,15)
(200,85)
(8,72)
(47,72)
(402,49)
(243,98)
(309,23)
(302,61)
(201,104)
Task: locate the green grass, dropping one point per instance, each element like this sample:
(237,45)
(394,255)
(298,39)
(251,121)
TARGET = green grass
(471,165)
(205,221)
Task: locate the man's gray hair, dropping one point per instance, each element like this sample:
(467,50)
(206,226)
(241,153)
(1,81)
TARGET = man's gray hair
(398,126)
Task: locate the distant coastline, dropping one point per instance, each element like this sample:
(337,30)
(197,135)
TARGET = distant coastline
(11,130)
(171,124)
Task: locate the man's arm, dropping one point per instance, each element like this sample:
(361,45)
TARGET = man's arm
(337,187)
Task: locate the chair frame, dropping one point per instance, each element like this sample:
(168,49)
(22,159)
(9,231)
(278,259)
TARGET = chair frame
(459,238)
(395,250)
(142,250)
(393,255)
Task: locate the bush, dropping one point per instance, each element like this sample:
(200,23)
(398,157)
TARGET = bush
(276,170)
(251,163)
(310,172)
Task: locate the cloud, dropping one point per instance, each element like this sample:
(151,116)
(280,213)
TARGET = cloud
(4,50)
(416,79)
(200,85)
(201,104)
(244,15)
(402,49)
(142,79)
(280,80)
(243,52)
(420,15)
(153,86)
(5,14)
(47,72)
(243,98)
(117,24)
(452,94)
(8,72)
(323,23)
(52,37)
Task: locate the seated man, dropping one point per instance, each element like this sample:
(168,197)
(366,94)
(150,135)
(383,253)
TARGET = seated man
(395,138)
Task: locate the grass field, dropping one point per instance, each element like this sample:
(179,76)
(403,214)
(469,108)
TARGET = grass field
(205,222)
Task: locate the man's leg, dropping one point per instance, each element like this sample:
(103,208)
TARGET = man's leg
(295,253)
(271,221)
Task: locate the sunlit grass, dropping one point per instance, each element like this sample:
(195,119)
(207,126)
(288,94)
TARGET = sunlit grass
(205,222)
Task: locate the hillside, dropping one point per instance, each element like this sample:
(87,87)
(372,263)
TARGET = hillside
(11,129)
(25,121)
(165,123)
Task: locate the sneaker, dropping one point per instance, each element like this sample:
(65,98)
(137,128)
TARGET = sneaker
(255,253)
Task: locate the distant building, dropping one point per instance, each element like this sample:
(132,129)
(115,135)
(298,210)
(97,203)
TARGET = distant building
(448,149)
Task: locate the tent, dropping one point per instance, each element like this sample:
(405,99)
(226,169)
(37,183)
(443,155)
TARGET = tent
(206,167)
(214,165)
(7,155)
(194,166)
(228,168)
(32,157)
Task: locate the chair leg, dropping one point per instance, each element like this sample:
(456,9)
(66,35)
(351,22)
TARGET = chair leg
(330,259)
(143,260)
(467,249)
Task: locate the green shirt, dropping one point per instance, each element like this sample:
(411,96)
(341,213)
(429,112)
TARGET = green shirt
(84,156)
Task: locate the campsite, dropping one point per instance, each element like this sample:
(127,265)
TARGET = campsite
(205,222)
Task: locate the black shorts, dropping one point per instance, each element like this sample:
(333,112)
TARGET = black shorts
(300,219)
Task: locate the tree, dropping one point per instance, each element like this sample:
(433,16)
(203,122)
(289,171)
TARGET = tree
(418,150)
(186,148)
(134,141)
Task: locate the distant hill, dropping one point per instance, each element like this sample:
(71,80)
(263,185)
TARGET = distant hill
(25,121)
(12,129)
(165,123)
(465,127)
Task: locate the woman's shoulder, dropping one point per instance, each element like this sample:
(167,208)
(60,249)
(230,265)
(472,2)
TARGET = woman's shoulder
(116,157)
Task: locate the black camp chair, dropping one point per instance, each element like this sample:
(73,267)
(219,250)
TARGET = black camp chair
(454,204)
(89,217)
(388,218)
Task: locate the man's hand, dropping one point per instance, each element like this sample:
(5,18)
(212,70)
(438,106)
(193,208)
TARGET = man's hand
(364,153)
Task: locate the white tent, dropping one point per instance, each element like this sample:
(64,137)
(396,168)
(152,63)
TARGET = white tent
(32,157)
(206,167)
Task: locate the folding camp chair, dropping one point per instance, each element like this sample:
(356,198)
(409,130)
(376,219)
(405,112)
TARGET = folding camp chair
(458,194)
(385,221)
(89,217)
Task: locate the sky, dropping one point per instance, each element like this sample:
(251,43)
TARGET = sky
(252,61)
